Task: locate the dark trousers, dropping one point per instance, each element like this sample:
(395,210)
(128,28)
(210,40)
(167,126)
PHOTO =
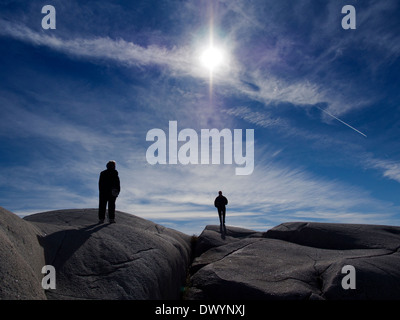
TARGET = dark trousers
(221,214)
(103,205)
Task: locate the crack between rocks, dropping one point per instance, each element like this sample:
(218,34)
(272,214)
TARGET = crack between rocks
(59,247)
(228,254)
(375,255)
(60,217)
(232,252)
(374,265)
(321,273)
(115,266)
(202,265)
(319,276)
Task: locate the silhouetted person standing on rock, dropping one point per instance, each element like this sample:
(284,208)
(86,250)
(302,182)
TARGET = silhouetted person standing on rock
(220,202)
(109,188)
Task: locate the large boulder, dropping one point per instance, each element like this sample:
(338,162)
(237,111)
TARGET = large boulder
(21,258)
(337,235)
(131,259)
(299,261)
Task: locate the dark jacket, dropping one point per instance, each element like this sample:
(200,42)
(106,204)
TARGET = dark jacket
(220,201)
(108,181)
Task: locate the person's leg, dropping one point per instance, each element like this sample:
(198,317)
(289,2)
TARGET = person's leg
(220,216)
(102,208)
(223,215)
(111,208)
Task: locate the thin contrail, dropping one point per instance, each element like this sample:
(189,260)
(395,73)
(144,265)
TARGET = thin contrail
(342,121)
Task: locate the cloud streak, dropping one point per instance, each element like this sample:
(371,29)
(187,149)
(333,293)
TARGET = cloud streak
(101,48)
(182,61)
(390,168)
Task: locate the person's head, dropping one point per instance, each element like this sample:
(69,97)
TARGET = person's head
(220,193)
(111,165)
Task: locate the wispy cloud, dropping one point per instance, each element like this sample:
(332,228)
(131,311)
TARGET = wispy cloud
(22,123)
(186,193)
(101,48)
(390,168)
(262,119)
(181,61)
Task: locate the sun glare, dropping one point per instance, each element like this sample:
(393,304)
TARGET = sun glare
(212,58)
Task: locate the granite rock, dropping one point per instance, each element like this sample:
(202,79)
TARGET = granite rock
(131,259)
(299,260)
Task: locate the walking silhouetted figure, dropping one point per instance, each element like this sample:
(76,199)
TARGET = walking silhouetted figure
(220,202)
(109,188)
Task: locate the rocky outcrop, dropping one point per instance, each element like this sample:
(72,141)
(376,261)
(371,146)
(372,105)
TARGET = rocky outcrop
(138,259)
(132,259)
(297,261)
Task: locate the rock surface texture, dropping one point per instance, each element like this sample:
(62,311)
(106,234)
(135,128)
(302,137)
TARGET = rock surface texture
(131,259)
(138,259)
(297,261)
(21,258)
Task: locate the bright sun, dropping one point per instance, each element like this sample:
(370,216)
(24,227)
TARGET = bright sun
(212,58)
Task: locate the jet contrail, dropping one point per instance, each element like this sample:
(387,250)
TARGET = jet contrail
(342,121)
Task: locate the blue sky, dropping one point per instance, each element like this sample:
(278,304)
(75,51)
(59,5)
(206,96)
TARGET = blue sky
(75,97)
